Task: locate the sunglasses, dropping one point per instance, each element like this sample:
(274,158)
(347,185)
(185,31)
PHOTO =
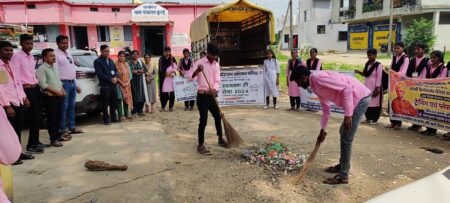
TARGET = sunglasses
(69,59)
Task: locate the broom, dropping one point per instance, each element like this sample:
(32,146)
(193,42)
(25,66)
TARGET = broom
(233,138)
(307,164)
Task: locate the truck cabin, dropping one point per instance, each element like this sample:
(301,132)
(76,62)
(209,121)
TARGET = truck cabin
(242,31)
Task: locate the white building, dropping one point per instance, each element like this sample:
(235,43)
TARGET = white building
(285,33)
(316,28)
(369,20)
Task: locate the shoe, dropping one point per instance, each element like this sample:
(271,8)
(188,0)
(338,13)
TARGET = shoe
(18,162)
(202,150)
(415,128)
(26,156)
(106,123)
(366,121)
(373,123)
(170,110)
(35,150)
(115,121)
(40,145)
(265,107)
(223,143)
(56,143)
(275,107)
(186,108)
(428,133)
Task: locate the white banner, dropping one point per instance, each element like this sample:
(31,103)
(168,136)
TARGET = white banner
(185,90)
(311,101)
(241,87)
(149,13)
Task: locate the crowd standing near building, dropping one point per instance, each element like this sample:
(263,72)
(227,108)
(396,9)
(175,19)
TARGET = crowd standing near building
(127,86)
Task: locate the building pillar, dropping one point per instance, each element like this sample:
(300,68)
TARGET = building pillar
(136,37)
(436,16)
(168,34)
(63,29)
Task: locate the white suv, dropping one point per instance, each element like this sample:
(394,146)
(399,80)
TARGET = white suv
(88,101)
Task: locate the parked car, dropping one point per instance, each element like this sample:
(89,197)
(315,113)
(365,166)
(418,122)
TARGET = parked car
(88,101)
(431,189)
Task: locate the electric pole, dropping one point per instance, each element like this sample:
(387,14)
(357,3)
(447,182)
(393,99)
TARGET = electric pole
(291,34)
(391,21)
(280,41)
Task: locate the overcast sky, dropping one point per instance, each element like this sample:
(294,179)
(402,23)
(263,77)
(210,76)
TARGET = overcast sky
(278,7)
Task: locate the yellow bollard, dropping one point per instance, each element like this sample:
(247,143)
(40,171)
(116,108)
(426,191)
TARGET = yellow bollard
(7,179)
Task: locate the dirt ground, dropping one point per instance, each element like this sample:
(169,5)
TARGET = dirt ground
(160,151)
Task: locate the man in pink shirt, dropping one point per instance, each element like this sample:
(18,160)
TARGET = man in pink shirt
(346,92)
(67,70)
(14,100)
(206,94)
(26,65)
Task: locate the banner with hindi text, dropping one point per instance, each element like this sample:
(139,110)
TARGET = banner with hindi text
(423,102)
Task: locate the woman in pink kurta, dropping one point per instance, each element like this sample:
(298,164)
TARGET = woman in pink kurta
(10,148)
(168,91)
(293,89)
(372,73)
(313,63)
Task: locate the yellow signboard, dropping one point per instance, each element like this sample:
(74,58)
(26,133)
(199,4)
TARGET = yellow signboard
(359,40)
(382,37)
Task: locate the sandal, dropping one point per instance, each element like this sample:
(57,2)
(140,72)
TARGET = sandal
(63,139)
(336,180)
(76,131)
(333,169)
(202,150)
(56,144)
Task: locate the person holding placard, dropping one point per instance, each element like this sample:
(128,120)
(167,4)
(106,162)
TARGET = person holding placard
(168,91)
(184,67)
(150,76)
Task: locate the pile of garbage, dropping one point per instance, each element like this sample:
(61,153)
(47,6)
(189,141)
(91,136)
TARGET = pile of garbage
(274,156)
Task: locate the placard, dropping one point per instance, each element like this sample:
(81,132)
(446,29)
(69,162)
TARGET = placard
(241,87)
(185,89)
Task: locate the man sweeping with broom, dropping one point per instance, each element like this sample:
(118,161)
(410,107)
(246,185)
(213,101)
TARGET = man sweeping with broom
(346,92)
(207,74)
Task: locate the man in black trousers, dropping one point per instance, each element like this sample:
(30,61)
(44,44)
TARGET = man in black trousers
(26,65)
(107,75)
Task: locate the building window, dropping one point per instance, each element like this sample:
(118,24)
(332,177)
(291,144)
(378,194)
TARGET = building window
(286,38)
(94,9)
(444,18)
(103,33)
(343,36)
(306,15)
(321,29)
(45,33)
(115,9)
(31,6)
(127,33)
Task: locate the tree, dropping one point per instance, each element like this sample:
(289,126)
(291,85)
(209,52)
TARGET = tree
(420,31)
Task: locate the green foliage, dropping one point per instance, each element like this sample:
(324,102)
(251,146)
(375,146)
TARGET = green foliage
(447,56)
(277,39)
(420,31)
(375,6)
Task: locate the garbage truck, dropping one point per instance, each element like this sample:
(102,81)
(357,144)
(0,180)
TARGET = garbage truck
(242,30)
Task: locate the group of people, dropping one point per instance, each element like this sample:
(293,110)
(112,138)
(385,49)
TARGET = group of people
(24,89)
(419,66)
(127,86)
